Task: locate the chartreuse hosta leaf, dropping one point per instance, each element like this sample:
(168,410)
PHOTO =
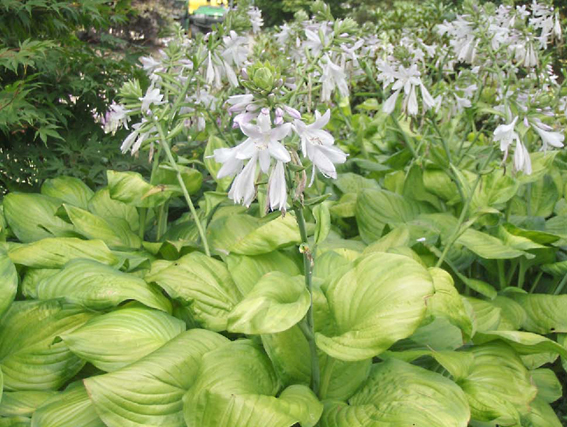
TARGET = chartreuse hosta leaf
(121,337)
(98,287)
(132,189)
(544,313)
(8,282)
(192,178)
(523,342)
(494,190)
(247,270)
(115,232)
(71,408)
(399,394)
(101,204)
(69,190)
(276,303)
(487,316)
(201,281)
(499,388)
(56,252)
(32,217)
(246,235)
(149,392)
(29,357)
(548,385)
(32,278)
(237,386)
(540,415)
(23,403)
(446,302)
(381,300)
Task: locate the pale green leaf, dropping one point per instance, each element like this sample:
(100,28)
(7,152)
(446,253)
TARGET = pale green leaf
(68,189)
(56,252)
(192,178)
(115,232)
(202,282)
(8,283)
(400,394)
(98,287)
(149,392)
(323,222)
(121,337)
(101,204)
(541,415)
(523,342)
(72,408)
(487,316)
(132,189)
(544,313)
(494,190)
(32,217)
(236,387)
(22,403)
(378,302)
(276,303)
(548,385)
(29,358)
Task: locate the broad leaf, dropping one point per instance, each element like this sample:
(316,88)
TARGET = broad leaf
(548,385)
(98,287)
(247,270)
(23,403)
(202,282)
(378,302)
(192,178)
(29,358)
(236,387)
(69,190)
(101,204)
(32,217)
(149,392)
(114,232)
(487,316)
(499,388)
(121,337)
(541,415)
(246,235)
(56,252)
(71,408)
(8,283)
(544,313)
(132,189)
(275,304)
(400,394)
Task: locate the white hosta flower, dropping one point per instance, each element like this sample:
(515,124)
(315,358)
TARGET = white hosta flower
(549,138)
(333,76)
(243,190)
(152,96)
(116,117)
(407,79)
(318,145)
(239,103)
(277,189)
(522,161)
(506,135)
(236,49)
(140,133)
(256,19)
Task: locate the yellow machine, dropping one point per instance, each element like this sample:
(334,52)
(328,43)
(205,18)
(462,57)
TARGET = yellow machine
(193,5)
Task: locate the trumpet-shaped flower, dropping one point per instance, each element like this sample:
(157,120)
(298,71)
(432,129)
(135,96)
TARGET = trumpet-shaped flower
(333,76)
(318,145)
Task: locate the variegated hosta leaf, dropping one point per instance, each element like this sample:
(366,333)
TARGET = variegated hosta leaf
(68,189)
(29,357)
(98,287)
(378,302)
(56,252)
(132,189)
(202,282)
(499,388)
(236,387)
(121,337)
(8,283)
(399,394)
(101,204)
(275,304)
(487,316)
(71,408)
(246,235)
(149,392)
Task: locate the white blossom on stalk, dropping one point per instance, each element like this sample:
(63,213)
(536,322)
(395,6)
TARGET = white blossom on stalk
(506,135)
(318,145)
(333,76)
(116,117)
(235,49)
(256,19)
(152,96)
(549,138)
(133,142)
(277,189)
(262,144)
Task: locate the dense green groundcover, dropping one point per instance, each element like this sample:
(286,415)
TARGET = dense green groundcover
(344,226)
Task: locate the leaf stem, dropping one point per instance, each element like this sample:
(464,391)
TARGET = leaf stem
(165,145)
(308,327)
